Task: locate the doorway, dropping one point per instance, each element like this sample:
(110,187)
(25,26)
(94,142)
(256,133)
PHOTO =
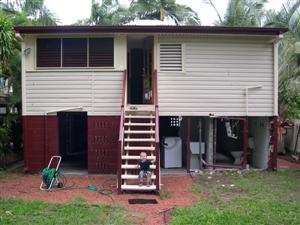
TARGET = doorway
(73,140)
(136,76)
(140,63)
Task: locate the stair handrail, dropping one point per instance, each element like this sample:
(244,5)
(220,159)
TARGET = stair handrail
(157,145)
(155,101)
(123,103)
(121,131)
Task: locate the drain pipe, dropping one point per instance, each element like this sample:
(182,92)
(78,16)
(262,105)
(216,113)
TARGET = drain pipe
(247,89)
(46,126)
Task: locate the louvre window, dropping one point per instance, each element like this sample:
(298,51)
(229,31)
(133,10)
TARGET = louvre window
(74,52)
(48,52)
(101,52)
(170,57)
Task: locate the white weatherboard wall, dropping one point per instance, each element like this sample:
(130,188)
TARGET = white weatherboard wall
(99,93)
(215,72)
(97,90)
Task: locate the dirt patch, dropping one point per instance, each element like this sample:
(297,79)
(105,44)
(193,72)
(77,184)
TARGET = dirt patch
(27,187)
(287,163)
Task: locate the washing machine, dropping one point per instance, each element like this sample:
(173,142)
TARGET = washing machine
(171,152)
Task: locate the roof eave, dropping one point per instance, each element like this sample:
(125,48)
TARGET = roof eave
(151,29)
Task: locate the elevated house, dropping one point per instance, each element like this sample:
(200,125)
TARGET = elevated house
(190,96)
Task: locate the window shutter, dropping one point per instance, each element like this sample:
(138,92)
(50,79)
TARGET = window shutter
(74,52)
(170,57)
(48,52)
(101,52)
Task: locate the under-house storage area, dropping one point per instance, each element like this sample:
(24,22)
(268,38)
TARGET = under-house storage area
(204,142)
(229,142)
(73,140)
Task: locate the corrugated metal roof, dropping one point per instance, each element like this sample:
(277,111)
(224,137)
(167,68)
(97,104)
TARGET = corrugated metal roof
(151,29)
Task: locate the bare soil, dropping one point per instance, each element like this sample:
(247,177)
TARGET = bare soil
(176,193)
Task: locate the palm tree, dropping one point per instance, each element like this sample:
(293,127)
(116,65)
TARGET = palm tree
(289,57)
(7,48)
(159,9)
(111,12)
(12,13)
(242,13)
(7,38)
(108,13)
(34,12)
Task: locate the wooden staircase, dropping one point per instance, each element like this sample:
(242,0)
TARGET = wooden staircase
(138,133)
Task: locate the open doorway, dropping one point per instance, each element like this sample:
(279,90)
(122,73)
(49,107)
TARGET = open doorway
(140,68)
(73,141)
(229,141)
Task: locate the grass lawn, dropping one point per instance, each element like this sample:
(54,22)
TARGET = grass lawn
(77,212)
(250,198)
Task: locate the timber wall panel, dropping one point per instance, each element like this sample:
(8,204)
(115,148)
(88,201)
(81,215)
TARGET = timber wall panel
(52,137)
(36,157)
(103,134)
(99,93)
(215,74)
(33,128)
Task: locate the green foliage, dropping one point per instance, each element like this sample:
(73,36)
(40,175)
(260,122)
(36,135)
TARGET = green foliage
(292,101)
(79,200)
(7,47)
(7,39)
(255,198)
(110,12)
(28,12)
(253,13)
(242,13)
(4,139)
(239,211)
(197,188)
(288,61)
(36,212)
(159,9)
(16,13)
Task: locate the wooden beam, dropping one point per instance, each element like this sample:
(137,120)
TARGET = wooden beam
(188,144)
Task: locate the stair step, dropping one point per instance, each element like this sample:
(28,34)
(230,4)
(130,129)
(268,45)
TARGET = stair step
(139,108)
(137,157)
(134,177)
(145,148)
(139,116)
(137,187)
(124,166)
(139,139)
(140,124)
(139,132)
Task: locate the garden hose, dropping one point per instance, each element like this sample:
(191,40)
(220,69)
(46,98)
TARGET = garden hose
(48,174)
(62,186)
